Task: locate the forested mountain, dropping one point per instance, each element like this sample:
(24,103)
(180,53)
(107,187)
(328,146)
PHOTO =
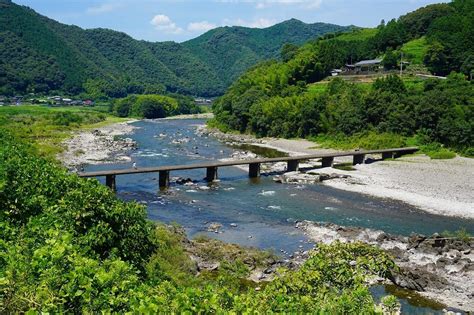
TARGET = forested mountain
(38,54)
(280,98)
(232,50)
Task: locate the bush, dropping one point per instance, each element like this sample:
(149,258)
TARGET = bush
(368,141)
(66,119)
(68,245)
(437,151)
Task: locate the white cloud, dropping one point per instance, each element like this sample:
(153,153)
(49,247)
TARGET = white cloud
(202,26)
(262,4)
(256,23)
(165,24)
(103,8)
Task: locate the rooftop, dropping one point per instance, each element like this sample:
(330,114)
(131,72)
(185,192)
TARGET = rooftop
(368,62)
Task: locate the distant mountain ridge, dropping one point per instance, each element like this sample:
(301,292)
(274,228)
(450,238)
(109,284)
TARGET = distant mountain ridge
(243,47)
(38,54)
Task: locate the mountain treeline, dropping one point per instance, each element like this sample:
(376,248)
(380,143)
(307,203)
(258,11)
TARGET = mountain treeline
(278,98)
(40,55)
(154,106)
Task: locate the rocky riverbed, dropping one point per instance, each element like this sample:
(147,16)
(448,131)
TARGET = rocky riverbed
(439,268)
(442,187)
(101,145)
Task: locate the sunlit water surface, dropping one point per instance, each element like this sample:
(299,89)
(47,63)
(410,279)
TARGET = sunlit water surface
(262,213)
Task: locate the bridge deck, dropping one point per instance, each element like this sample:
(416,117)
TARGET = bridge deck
(208,165)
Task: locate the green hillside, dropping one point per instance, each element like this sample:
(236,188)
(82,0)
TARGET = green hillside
(40,55)
(232,50)
(415,50)
(282,99)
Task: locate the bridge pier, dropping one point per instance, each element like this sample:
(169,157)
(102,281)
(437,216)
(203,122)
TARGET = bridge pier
(292,166)
(110,182)
(211,173)
(358,159)
(398,154)
(254,170)
(327,161)
(164,179)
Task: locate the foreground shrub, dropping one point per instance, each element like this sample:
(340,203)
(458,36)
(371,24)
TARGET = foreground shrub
(68,245)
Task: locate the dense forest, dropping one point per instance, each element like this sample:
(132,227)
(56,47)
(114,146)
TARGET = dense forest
(154,106)
(40,55)
(283,98)
(69,245)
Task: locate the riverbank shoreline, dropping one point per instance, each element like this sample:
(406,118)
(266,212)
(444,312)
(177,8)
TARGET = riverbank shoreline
(190,116)
(292,146)
(442,187)
(436,267)
(99,145)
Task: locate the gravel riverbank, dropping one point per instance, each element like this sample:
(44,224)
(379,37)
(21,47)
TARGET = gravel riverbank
(100,145)
(443,187)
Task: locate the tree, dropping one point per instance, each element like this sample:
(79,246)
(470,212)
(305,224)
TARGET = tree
(468,67)
(390,60)
(288,51)
(436,59)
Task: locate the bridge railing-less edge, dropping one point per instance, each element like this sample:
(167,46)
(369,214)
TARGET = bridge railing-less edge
(327,160)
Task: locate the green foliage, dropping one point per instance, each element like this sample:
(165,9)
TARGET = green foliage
(365,140)
(390,305)
(46,127)
(288,51)
(415,50)
(281,99)
(43,56)
(390,60)
(448,38)
(461,234)
(437,151)
(68,245)
(154,106)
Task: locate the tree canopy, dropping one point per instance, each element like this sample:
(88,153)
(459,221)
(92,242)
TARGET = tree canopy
(40,55)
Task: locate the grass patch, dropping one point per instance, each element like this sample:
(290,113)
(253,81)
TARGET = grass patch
(318,88)
(232,257)
(367,141)
(437,151)
(360,34)
(47,127)
(375,141)
(415,50)
(442,155)
(214,123)
(344,167)
(461,234)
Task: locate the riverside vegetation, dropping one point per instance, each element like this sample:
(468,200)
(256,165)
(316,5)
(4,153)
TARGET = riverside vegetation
(69,245)
(279,98)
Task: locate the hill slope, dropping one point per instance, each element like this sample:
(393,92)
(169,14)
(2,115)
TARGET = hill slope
(278,98)
(232,50)
(41,55)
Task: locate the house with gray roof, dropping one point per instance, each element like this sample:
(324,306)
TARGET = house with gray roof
(364,66)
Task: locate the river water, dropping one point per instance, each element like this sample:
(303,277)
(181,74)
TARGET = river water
(257,213)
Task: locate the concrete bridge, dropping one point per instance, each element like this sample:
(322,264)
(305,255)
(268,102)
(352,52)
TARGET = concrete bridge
(327,160)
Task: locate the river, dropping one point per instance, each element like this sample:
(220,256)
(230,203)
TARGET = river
(257,213)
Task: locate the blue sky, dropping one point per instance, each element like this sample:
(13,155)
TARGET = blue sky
(162,20)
